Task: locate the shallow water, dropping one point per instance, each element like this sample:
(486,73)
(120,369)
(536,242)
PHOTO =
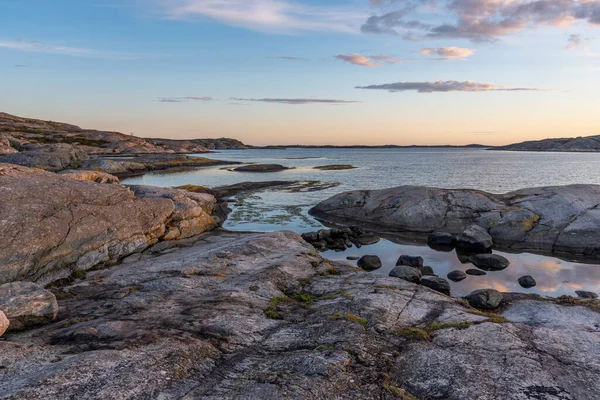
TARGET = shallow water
(492,171)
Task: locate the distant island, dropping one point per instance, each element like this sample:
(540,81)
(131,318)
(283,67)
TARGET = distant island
(360,146)
(578,144)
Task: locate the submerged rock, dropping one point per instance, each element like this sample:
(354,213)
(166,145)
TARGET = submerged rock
(26,304)
(436,283)
(586,295)
(457,275)
(261,168)
(475,272)
(369,263)
(335,167)
(411,261)
(489,262)
(366,239)
(527,281)
(441,239)
(485,299)
(407,273)
(475,239)
(353,258)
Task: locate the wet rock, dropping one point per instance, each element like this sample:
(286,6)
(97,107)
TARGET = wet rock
(586,295)
(411,261)
(427,271)
(353,258)
(407,273)
(474,238)
(436,283)
(475,272)
(441,239)
(335,167)
(261,168)
(311,236)
(485,299)
(4,323)
(366,239)
(369,263)
(489,262)
(527,281)
(456,276)
(26,304)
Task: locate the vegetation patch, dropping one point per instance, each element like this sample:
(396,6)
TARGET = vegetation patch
(436,326)
(337,294)
(412,333)
(492,317)
(394,390)
(349,317)
(304,298)
(274,303)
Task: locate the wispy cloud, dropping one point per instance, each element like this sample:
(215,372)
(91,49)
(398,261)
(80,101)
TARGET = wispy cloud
(443,86)
(288,58)
(367,61)
(278,16)
(37,47)
(298,101)
(575,41)
(449,53)
(184,99)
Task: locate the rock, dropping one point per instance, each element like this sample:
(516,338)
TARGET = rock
(336,167)
(411,261)
(560,219)
(475,272)
(579,144)
(436,283)
(586,295)
(65,225)
(527,281)
(485,299)
(407,273)
(457,276)
(261,168)
(26,304)
(489,262)
(369,263)
(4,323)
(441,239)
(427,271)
(311,236)
(93,176)
(353,258)
(366,239)
(474,238)
(51,157)
(198,145)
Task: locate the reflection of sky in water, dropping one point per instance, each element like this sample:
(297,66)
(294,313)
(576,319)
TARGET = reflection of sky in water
(492,171)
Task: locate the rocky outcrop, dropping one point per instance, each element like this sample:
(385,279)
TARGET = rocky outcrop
(198,145)
(578,144)
(53,226)
(265,317)
(560,219)
(26,304)
(92,176)
(6,147)
(51,157)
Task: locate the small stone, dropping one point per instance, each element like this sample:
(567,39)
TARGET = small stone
(475,272)
(527,281)
(427,271)
(407,273)
(436,283)
(411,261)
(4,323)
(486,299)
(353,258)
(489,262)
(582,294)
(474,238)
(457,275)
(369,263)
(26,304)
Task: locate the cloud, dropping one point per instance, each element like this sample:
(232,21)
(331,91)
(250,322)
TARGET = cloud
(477,20)
(443,86)
(575,41)
(297,101)
(449,53)
(276,16)
(288,58)
(370,61)
(184,99)
(30,46)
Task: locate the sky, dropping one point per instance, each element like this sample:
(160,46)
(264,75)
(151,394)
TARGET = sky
(306,71)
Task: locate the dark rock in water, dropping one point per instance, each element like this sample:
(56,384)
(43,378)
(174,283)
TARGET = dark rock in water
(427,271)
(324,234)
(310,236)
(357,230)
(489,262)
(586,295)
(485,299)
(436,283)
(411,261)
(407,273)
(26,304)
(474,238)
(457,275)
(527,281)
(369,263)
(334,167)
(352,258)
(366,239)
(443,239)
(475,272)
(261,168)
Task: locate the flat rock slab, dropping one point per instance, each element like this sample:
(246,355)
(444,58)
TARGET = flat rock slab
(261,168)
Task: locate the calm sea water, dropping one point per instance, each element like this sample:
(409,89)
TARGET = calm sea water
(492,171)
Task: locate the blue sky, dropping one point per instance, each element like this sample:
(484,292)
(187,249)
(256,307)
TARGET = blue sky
(282,71)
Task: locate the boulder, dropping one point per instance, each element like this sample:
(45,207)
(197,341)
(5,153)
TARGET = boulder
(411,261)
(475,239)
(4,323)
(457,275)
(436,283)
(261,168)
(475,272)
(26,304)
(527,281)
(586,295)
(485,299)
(369,263)
(427,271)
(489,262)
(441,239)
(407,273)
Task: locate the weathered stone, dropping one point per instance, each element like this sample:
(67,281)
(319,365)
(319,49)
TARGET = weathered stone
(489,262)
(586,295)
(436,283)
(527,281)
(474,238)
(456,275)
(411,261)
(369,263)
(475,272)
(407,273)
(427,271)
(486,299)
(93,176)
(4,323)
(26,304)
(51,157)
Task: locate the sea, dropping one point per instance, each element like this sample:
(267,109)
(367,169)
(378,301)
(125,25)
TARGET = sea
(378,168)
